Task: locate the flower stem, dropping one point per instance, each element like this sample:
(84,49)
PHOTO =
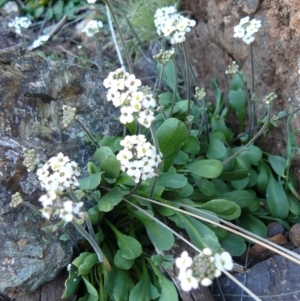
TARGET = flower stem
(175,86)
(252,101)
(187,74)
(107,2)
(87,132)
(100,255)
(99,54)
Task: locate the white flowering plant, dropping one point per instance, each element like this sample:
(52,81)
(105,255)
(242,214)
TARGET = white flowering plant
(177,163)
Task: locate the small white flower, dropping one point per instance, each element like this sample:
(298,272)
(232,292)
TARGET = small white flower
(223,261)
(206,281)
(92,27)
(244,20)
(126,116)
(148,101)
(239,31)
(124,156)
(187,280)
(184,261)
(248,39)
(146,117)
(132,83)
(207,251)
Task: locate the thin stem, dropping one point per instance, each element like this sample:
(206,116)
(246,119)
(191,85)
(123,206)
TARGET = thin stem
(159,84)
(154,139)
(107,2)
(153,187)
(252,102)
(261,131)
(175,86)
(288,148)
(113,35)
(187,74)
(87,236)
(100,58)
(87,132)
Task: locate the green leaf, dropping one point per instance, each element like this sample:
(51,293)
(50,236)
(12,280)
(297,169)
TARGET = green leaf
(276,198)
(238,81)
(58,10)
(130,248)
(252,224)
(93,295)
(142,290)
(175,181)
(294,205)
(263,177)
(191,146)
(224,209)
(168,75)
(234,244)
(110,200)
(159,235)
(108,162)
(38,12)
(171,135)
(278,164)
(237,100)
(72,282)
(181,159)
(167,288)
(90,182)
(253,154)
(234,175)
(186,191)
(92,168)
(94,215)
(218,96)
(117,284)
(206,187)
(243,198)
(86,266)
(79,260)
(201,236)
(122,262)
(209,168)
(215,150)
(240,184)
(111,142)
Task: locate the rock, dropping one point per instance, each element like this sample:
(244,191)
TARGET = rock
(294,235)
(274,229)
(33,92)
(273,279)
(276,52)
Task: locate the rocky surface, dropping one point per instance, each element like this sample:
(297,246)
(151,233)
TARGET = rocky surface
(32,93)
(270,280)
(276,51)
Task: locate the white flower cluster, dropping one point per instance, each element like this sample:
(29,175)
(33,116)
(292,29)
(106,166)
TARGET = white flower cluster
(18,23)
(123,92)
(269,98)
(170,23)
(138,158)
(246,28)
(16,200)
(31,159)
(56,176)
(200,93)
(92,27)
(163,57)
(40,41)
(202,269)
(69,114)
(233,68)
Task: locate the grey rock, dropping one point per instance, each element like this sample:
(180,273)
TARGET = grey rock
(270,280)
(32,93)
(275,228)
